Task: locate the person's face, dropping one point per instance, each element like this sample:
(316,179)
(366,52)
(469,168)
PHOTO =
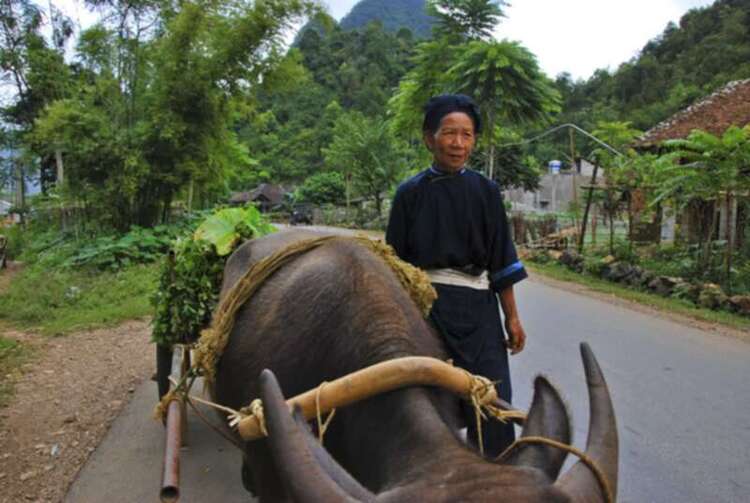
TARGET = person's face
(453,142)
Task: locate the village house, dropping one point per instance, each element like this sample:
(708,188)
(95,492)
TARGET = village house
(266,196)
(728,106)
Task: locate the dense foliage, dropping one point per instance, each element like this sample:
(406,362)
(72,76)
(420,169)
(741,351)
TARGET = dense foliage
(708,48)
(190,278)
(328,76)
(393,14)
(322,188)
(146,111)
(503,77)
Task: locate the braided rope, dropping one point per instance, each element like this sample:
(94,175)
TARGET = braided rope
(482,393)
(214,339)
(322,425)
(590,463)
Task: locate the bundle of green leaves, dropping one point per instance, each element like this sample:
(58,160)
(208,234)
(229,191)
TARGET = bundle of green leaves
(190,278)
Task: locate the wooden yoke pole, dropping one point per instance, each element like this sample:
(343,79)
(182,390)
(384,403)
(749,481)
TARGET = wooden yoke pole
(381,378)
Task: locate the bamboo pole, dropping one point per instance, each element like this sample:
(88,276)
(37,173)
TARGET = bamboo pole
(376,379)
(170,485)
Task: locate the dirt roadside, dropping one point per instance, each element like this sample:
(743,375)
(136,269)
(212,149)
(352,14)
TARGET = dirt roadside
(65,399)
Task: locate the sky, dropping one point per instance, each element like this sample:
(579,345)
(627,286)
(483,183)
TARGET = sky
(574,36)
(579,36)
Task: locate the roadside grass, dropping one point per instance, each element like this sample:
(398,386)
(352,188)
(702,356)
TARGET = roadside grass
(682,307)
(56,302)
(12,355)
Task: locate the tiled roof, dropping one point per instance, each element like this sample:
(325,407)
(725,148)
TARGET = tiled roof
(715,113)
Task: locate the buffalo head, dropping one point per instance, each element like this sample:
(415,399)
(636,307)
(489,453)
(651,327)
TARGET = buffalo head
(529,473)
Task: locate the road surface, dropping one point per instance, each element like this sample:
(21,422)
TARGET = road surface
(682,398)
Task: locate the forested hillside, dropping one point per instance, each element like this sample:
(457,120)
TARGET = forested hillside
(394,14)
(327,77)
(709,47)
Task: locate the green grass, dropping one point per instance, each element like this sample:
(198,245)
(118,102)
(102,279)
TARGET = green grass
(682,307)
(12,355)
(63,301)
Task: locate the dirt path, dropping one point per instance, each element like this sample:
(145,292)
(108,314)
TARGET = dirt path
(66,398)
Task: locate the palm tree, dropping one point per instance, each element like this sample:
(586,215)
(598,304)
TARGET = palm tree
(505,80)
(465,19)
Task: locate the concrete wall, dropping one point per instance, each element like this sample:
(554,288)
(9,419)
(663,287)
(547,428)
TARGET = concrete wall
(556,191)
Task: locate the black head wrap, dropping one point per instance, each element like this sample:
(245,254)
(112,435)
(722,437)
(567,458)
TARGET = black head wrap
(440,106)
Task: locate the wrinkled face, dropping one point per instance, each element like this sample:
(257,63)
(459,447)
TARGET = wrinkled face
(452,144)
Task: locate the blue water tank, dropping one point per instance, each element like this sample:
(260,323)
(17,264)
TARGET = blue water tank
(554,167)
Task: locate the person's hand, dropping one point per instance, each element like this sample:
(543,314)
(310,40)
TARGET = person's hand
(516,335)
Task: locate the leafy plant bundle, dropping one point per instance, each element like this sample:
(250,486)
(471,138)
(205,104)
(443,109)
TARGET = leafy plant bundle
(190,278)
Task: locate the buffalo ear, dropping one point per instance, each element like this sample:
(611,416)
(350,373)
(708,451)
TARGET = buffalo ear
(298,467)
(547,417)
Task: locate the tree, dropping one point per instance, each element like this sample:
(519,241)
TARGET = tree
(155,115)
(466,19)
(712,168)
(458,22)
(322,188)
(625,174)
(368,155)
(709,48)
(505,80)
(34,69)
(432,61)
(503,77)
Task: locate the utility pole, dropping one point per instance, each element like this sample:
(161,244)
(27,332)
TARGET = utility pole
(574,169)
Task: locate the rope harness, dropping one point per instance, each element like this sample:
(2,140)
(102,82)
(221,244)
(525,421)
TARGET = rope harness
(322,425)
(481,394)
(213,341)
(601,478)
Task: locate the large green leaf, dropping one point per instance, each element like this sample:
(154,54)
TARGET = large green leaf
(223,228)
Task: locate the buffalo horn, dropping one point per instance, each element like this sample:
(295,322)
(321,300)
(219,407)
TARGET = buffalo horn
(580,482)
(548,417)
(298,468)
(348,483)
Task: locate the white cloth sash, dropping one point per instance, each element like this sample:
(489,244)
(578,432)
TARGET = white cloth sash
(458,278)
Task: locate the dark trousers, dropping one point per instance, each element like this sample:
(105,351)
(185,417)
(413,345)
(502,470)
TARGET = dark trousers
(470,323)
(492,364)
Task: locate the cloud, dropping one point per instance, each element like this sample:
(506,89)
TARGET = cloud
(579,36)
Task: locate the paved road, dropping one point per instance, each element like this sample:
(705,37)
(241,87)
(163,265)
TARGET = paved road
(682,397)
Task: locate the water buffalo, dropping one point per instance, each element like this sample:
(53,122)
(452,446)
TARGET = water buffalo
(339,308)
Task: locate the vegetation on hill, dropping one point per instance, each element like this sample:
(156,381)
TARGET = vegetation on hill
(708,48)
(393,14)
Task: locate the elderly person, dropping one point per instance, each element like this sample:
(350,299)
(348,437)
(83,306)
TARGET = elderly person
(450,221)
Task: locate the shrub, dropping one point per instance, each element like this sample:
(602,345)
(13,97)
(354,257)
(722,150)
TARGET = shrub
(322,188)
(594,265)
(139,246)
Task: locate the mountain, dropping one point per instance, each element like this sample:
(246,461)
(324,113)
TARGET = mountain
(393,14)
